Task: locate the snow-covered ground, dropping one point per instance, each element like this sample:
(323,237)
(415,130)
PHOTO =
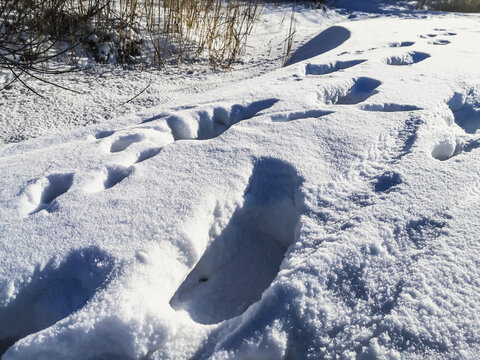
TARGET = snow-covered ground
(325,209)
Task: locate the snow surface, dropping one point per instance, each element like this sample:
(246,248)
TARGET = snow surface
(322,210)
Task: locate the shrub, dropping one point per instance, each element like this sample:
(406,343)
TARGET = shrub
(36,33)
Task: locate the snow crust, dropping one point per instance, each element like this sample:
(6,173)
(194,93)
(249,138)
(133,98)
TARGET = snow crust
(322,210)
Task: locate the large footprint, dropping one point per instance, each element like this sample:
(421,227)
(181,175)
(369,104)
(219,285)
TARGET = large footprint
(361,89)
(409,58)
(244,259)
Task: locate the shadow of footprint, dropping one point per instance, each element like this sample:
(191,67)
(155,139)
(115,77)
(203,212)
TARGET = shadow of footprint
(40,194)
(108,178)
(54,293)
(327,40)
(245,258)
(115,175)
(147,154)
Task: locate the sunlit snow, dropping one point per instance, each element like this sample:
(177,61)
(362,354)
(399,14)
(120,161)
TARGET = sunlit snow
(326,209)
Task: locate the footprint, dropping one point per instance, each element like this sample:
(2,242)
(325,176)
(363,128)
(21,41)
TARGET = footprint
(41,193)
(104,134)
(409,58)
(424,230)
(347,280)
(147,154)
(244,259)
(53,293)
(401,44)
(446,150)
(116,174)
(386,181)
(208,124)
(124,142)
(108,178)
(361,90)
(308,114)
(439,42)
(466,110)
(327,40)
(314,69)
(361,199)
(407,136)
(389,107)
(428,36)
(471,145)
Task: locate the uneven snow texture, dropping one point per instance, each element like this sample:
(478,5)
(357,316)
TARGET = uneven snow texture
(322,210)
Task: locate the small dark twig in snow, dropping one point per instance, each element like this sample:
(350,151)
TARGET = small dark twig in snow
(140,93)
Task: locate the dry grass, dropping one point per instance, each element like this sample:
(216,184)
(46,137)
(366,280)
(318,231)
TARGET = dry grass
(215,29)
(129,31)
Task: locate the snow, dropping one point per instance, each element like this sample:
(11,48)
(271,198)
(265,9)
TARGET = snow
(320,210)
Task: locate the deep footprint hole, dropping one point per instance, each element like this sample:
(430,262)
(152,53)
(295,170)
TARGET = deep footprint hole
(124,142)
(147,154)
(362,89)
(300,115)
(387,181)
(58,184)
(402,44)
(466,110)
(243,260)
(116,175)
